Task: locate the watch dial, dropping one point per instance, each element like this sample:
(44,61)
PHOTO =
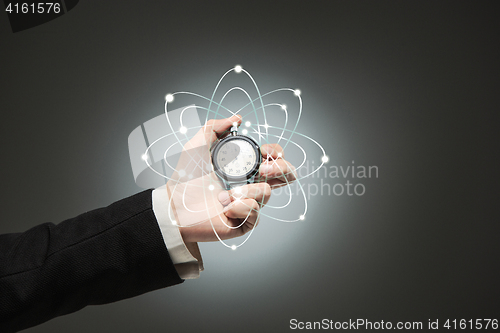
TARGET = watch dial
(236,158)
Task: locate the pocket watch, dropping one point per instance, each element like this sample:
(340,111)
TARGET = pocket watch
(236,159)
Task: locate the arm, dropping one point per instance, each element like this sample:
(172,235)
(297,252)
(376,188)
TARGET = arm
(128,248)
(98,257)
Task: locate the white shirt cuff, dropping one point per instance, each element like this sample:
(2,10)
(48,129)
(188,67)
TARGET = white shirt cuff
(187,266)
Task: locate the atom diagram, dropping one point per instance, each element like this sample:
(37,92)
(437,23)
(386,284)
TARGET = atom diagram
(265,117)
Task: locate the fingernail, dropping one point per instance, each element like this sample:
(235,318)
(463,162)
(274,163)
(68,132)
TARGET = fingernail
(265,169)
(224,198)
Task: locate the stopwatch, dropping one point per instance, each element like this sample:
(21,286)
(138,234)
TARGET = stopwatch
(236,159)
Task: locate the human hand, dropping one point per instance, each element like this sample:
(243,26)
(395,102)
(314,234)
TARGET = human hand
(199,201)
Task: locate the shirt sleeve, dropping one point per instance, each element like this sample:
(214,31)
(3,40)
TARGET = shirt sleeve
(182,254)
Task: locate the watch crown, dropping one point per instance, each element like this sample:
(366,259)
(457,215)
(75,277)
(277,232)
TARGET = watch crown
(234,130)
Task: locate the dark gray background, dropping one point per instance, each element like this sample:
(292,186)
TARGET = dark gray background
(411,87)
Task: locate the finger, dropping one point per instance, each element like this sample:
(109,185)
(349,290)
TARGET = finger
(272,150)
(215,128)
(260,192)
(279,169)
(243,209)
(212,130)
(241,216)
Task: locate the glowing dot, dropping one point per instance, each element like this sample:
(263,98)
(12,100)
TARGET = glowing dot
(144,157)
(266,125)
(247,124)
(245,132)
(283,107)
(183,130)
(182,173)
(233,247)
(169,98)
(238,68)
(280,154)
(324,159)
(174,222)
(296,92)
(302,217)
(211,187)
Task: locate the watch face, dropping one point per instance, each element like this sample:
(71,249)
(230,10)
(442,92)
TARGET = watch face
(236,157)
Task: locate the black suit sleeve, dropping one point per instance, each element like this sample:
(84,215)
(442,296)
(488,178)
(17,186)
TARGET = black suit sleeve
(99,257)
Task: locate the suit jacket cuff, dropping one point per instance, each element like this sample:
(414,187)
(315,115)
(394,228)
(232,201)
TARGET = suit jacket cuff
(187,266)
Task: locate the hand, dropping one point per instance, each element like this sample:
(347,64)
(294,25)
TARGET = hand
(198,199)
(275,170)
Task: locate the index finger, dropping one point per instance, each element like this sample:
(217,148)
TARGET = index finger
(215,128)
(272,150)
(212,130)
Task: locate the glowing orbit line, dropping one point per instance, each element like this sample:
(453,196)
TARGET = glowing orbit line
(263,134)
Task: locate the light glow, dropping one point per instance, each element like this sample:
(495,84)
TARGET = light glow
(260,123)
